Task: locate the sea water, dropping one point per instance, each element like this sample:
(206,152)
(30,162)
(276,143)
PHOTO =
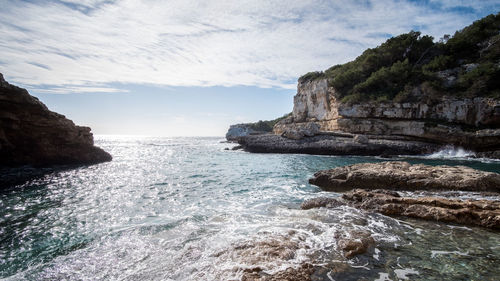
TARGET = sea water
(187,209)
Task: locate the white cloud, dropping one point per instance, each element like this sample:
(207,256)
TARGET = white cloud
(200,43)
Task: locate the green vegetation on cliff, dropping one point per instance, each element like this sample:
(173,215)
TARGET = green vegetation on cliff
(412,66)
(266,126)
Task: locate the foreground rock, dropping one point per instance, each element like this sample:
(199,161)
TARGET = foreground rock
(303,273)
(334,145)
(404,176)
(30,134)
(485,213)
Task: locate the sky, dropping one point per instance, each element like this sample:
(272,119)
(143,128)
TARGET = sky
(192,68)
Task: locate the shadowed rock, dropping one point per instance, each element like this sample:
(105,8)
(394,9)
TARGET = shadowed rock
(31,134)
(404,176)
(334,145)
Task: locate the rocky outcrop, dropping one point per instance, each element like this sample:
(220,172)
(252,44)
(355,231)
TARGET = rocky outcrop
(31,134)
(354,243)
(302,273)
(297,132)
(485,213)
(334,145)
(470,123)
(237,131)
(404,176)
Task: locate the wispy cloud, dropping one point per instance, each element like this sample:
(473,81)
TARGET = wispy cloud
(75,46)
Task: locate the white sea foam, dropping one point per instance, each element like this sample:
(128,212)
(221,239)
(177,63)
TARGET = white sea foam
(402,274)
(451,152)
(435,253)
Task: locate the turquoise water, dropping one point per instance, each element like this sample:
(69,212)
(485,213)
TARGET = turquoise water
(186,209)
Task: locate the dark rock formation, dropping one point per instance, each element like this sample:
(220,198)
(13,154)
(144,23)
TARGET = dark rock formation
(403,176)
(30,134)
(334,145)
(328,202)
(485,213)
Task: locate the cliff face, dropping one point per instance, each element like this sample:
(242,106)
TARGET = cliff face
(472,123)
(30,134)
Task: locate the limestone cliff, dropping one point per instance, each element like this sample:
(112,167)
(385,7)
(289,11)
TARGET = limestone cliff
(471,123)
(31,134)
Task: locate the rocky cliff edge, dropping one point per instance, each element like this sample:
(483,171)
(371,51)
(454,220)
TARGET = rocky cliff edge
(31,134)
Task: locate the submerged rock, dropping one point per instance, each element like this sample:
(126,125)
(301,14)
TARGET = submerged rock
(397,175)
(355,242)
(31,134)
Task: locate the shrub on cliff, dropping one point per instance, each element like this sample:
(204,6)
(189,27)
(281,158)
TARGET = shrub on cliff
(266,126)
(466,64)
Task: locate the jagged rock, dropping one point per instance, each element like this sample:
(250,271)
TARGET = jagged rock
(361,139)
(293,134)
(30,134)
(334,145)
(404,176)
(302,273)
(354,243)
(485,213)
(239,130)
(297,132)
(327,202)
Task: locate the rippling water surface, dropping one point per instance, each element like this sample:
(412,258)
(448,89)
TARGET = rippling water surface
(186,209)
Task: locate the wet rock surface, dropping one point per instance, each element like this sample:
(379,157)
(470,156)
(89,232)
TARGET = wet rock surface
(354,243)
(334,145)
(31,134)
(303,273)
(485,213)
(396,175)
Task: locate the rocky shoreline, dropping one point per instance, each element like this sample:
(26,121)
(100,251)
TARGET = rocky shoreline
(395,189)
(374,187)
(330,144)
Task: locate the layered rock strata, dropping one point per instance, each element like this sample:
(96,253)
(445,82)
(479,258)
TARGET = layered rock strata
(485,213)
(397,175)
(335,144)
(31,134)
(470,123)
